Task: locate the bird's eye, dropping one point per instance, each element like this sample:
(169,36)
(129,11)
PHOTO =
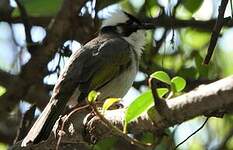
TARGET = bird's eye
(134,23)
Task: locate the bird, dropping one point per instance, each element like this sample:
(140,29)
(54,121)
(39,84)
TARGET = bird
(107,64)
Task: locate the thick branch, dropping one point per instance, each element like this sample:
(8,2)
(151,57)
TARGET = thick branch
(203,100)
(165,21)
(162,21)
(33,72)
(5,78)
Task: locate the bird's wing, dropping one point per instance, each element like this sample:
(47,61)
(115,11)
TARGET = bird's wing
(89,69)
(95,67)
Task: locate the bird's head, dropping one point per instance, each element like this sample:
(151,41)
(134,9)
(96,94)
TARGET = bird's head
(128,27)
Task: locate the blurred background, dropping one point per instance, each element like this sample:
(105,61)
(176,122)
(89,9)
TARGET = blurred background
(172,47)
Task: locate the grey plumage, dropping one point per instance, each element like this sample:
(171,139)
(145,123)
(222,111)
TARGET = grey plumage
(107,64)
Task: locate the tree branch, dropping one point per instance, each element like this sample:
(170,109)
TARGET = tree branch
(27,26)
(217,28)
(33,72)
(161,21)
(5,78)
(205,99)
(165,21)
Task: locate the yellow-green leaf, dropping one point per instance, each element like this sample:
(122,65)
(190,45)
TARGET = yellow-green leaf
(139,106)
(162,91)
(40,7)
(161,76)
(92,96)
(109,102)
(2,90)
(178,84)
(192,5)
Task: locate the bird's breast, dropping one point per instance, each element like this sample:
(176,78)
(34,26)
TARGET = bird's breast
(120,85)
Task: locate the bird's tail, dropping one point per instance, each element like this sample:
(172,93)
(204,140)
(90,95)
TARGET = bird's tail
(44,124)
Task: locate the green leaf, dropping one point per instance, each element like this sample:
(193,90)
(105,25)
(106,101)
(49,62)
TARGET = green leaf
(109,102)
(191,5)
(40,7)
(140,105)
(190,72)
(162,91)
(2,90)
(3,146)
(178,84)
(202,69)
(105,144)
(161,76)
(92,96)
(147,137)
(195,38)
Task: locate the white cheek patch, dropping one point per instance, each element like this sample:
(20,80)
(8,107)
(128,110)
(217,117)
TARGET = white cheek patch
(137,41)
(119,30)
(116,18)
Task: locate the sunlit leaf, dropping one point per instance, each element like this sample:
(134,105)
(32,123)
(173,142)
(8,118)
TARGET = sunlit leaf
(40,7)
(178,83)
(109,102)
(105,144)
(147,137)
(161,76)
(140,105)
(3,146)
(195,38)
(162,91)
(190,72)
(203,70)
(192,5)
(2,90)
(92,96)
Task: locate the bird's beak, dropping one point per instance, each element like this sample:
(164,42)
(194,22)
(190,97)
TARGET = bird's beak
(138,26)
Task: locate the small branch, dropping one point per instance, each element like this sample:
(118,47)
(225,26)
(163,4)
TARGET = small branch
(165,21)
(180,109)
(35,20)
(26,123)
(75,110)
(119,132)
(151,23)
(5,78)
(159,43)
(192,133)
(217,28)
(153,84)
(26,24)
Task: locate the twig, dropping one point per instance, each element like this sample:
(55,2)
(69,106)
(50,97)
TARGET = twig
(159,43)
(119,132)
(193,133)
(231,9)
(26,123)
(26,24)
(217,28)
(75,109)
(153,84)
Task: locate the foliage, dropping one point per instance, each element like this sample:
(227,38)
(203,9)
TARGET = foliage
(40,7)
(181,55)
(92,96)
(146,100)
(2,90)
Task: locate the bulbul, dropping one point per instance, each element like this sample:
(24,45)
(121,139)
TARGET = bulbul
(108,64)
